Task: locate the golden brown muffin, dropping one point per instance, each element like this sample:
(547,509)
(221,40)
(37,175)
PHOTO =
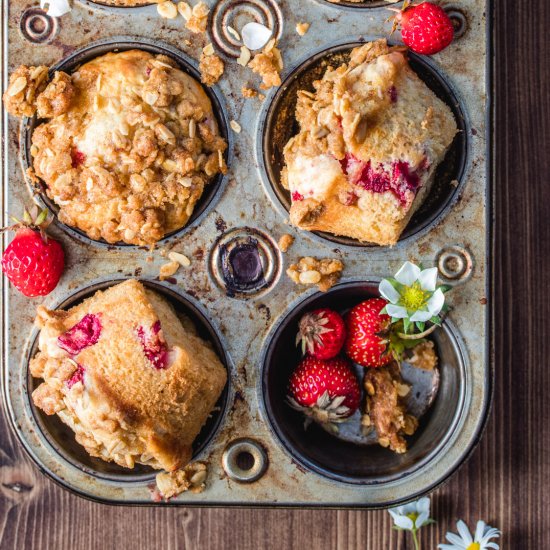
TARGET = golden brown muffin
(371,138)
(134,383)
(129,147)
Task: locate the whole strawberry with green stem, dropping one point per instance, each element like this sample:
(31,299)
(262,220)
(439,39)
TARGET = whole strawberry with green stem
(326,391)
(33,262)
(321,333)
(425,28)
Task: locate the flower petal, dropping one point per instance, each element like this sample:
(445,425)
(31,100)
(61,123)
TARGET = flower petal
(56,8)
(404,522)
(387,291)
(408,274)
(464,532)
(255,35)
(448,547)
(423,505)
(421,316)
(480,531)
(493,545)
(436,302)
(428,279)
(399,312)
(421,519)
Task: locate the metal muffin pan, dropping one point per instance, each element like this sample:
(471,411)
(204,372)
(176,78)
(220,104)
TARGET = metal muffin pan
(251,463)
(70,64)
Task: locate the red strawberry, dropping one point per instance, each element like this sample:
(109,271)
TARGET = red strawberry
(325,391)
(322,333)
(425,28)
(33,262)
(365,325)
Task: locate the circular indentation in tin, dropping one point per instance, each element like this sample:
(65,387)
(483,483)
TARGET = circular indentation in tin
(69,64)
(37,26)
(245,262)
(343,459)
(458,19)
(244,460)
(278,124)
(455,263)
(236,14)
(61,438)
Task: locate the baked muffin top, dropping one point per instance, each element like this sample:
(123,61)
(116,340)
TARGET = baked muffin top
(130,143)
(371,136)
(131,377)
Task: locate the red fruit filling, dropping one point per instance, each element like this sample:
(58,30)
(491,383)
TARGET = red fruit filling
(83,335)
(77,158)
(77,376)
(393,94)
(400,180)
(154,346)
(297,196)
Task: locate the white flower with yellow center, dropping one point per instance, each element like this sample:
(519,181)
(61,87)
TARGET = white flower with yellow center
(411,517)
(481,540)
(413,296)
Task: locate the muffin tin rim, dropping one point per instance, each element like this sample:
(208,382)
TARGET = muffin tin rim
(332,240)
(185,62)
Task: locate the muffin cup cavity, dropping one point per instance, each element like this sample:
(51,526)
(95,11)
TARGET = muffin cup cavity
(72,62)
(341,458)
(62,439)
(278,124)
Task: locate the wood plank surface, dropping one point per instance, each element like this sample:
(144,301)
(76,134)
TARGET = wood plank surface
(506,481)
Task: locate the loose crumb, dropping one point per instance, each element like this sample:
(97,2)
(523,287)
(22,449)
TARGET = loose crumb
(424,356)
(167,9)
(211,68)
(324,273)
(167,270)
(191,478)
(199,18)
(285,242)
(235,126)
(245,56)
(268,64)
(248,92)
(302,28)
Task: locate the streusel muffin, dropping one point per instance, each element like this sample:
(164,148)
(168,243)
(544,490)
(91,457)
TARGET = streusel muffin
(128,376)
(129,146)
(371,138)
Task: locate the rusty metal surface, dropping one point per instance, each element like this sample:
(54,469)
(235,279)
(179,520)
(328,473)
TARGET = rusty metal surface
(457,242)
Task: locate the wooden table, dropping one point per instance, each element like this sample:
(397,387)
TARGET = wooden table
(506,481)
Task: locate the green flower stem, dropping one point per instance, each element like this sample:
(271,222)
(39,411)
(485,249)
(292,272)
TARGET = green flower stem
(417,336)
(415,539)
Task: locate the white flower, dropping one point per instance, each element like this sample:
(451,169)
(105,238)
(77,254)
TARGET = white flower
(412,516)
(255,35)
(413,295)
(56,8)
(480,541)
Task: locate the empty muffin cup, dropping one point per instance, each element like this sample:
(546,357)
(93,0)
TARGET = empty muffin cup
(338,456)
(62,439)
(71,63)
(278,124)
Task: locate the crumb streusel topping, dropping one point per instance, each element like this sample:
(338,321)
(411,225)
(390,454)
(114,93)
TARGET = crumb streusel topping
(129,147)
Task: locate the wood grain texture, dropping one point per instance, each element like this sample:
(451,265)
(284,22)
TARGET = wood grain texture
(506,482)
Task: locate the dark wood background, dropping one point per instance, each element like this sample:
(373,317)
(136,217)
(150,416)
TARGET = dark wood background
(506,481)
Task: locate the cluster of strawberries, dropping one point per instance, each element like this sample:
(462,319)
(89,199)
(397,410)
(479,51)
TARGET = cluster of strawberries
(324,386)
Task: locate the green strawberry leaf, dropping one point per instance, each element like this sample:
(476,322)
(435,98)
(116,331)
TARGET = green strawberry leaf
(420,325)
(406,325)
(436,320)
(445,288)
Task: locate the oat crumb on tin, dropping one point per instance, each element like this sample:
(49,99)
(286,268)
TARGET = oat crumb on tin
(168,269)
(167,10)
(199,18)
(191,478)
(268,64)
(211,68)
(285,242)
(302,28)
(248,92)
(324,273)
(235,126)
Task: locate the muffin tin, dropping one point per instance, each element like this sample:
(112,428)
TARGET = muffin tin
(257,451)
